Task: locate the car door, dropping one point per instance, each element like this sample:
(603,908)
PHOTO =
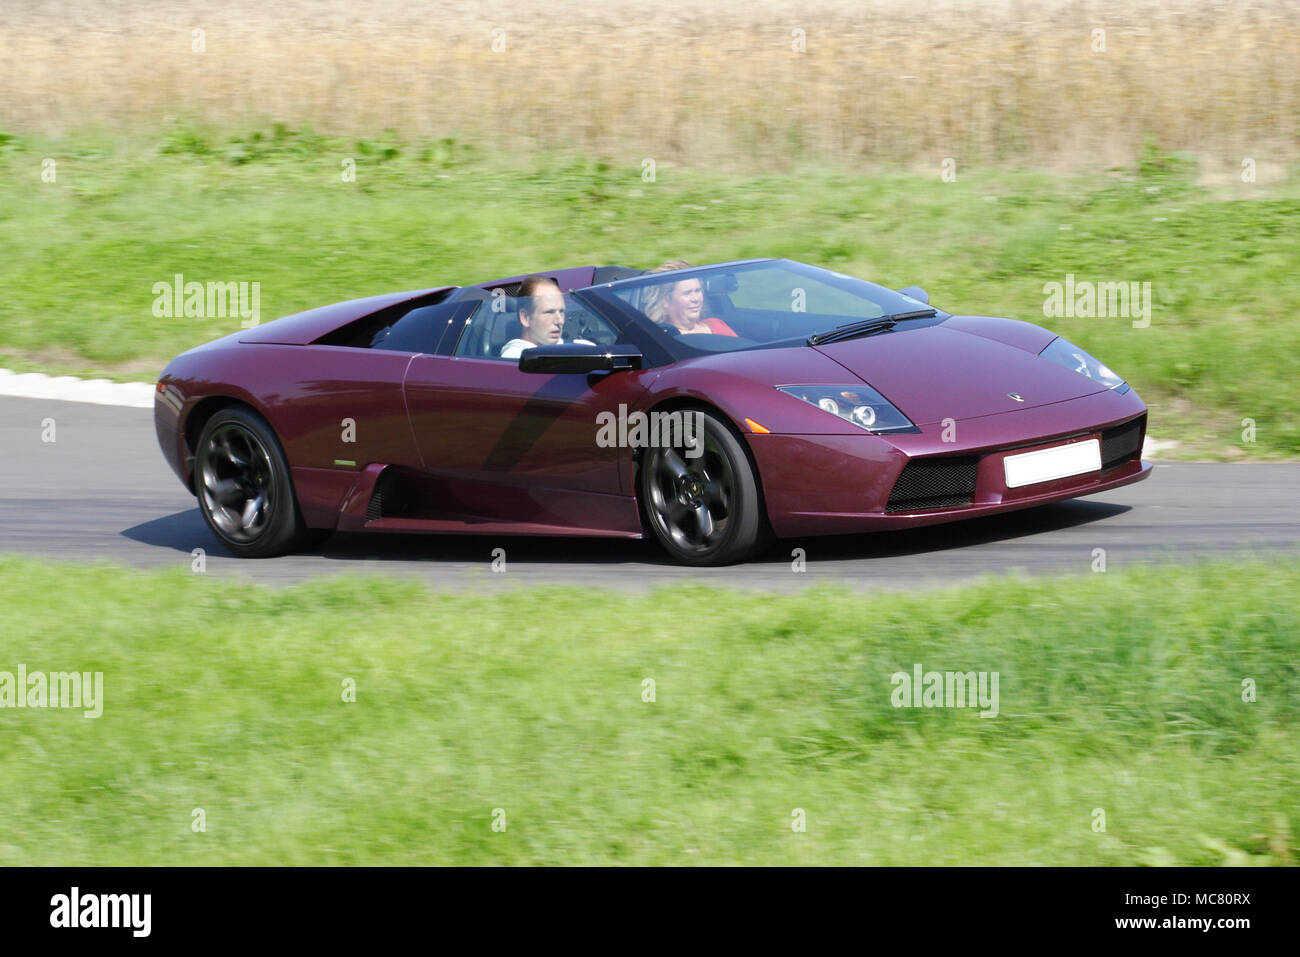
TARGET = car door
(523,447)
(343,407)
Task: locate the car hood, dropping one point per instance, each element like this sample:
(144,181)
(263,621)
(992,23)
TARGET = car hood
(935,373)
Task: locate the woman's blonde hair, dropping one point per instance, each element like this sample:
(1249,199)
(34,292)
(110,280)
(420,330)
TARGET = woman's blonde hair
(654,301)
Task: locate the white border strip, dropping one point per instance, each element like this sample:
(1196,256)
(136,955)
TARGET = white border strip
(66,388)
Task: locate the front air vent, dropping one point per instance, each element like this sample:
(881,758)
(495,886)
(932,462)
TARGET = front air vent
(935,483)
(1122,443)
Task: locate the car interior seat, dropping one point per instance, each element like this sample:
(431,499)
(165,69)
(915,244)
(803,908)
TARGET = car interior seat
(504,327)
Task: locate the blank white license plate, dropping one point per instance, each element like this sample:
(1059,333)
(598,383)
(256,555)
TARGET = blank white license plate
(1048,464)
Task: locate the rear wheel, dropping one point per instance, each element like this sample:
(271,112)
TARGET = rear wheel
(242,483)
(703,509)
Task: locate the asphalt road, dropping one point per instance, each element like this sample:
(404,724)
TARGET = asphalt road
(101,491)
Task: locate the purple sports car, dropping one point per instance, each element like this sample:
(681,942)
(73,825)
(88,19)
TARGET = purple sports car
(709,407)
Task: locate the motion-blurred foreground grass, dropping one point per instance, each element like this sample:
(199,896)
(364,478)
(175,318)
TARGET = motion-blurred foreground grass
(1122,693)
(79,256)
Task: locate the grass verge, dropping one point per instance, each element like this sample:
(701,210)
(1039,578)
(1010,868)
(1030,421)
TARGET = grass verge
(1121,692)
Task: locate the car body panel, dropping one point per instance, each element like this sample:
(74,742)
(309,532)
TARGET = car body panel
(960,375)
(302,328)
(316,391)
(460,508)
(1012,332)
(743,385)
(484,421)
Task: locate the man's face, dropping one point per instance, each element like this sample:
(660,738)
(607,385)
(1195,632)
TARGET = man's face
(544,323)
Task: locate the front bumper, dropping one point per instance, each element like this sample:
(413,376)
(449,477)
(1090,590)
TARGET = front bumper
(836,484)
(168,402)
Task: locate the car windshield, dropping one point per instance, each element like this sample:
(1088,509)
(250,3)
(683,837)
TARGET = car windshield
(749,305)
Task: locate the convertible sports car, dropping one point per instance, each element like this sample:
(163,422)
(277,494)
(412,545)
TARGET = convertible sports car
(709,407)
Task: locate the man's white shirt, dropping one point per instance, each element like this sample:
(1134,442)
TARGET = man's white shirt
(514,347)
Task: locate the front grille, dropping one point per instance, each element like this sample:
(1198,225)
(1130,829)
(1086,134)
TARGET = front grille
(950,482)
(934,483)
(1122,443)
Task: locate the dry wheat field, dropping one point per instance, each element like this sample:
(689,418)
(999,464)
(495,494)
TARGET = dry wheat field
(724,82)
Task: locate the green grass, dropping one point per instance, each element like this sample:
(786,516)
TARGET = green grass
(79,257)
(1121,691)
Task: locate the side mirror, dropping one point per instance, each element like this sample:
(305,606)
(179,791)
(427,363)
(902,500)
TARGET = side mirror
(915,292)
(579,357)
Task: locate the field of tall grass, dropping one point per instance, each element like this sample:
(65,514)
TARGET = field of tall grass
(722,83)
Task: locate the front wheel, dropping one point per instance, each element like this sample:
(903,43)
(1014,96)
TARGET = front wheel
(242,482)
(703,508)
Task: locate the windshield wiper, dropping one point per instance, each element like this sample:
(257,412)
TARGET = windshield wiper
(862,328)
(866,327)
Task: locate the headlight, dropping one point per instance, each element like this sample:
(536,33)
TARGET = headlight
(859,404)
(1072,357)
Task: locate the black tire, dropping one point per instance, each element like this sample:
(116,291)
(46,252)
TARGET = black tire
(241,479)
(703,510)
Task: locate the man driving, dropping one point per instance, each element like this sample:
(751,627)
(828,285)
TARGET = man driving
(541,316)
